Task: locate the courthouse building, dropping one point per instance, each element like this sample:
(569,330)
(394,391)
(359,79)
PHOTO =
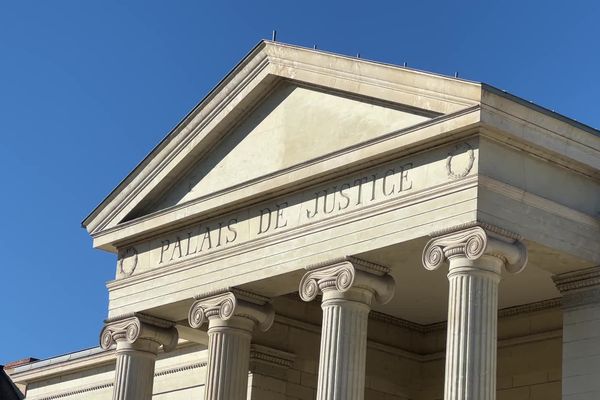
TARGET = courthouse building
(323,226)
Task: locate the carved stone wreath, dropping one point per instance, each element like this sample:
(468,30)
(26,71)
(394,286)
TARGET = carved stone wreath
(460,149)
(129,261)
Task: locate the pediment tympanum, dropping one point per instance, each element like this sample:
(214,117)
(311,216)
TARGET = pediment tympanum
(288,121)
(281,108)
(300,156)
(292,125)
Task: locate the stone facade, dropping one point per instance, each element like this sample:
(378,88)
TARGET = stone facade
(404,360)
(273,245)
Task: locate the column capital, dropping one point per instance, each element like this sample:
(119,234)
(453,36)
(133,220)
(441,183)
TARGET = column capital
(579,287)
(228,303)
(474,241)
(345,273)
(139,327)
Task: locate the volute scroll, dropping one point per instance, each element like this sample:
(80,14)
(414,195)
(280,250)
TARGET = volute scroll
(473,243)
(346,273)
(233,302)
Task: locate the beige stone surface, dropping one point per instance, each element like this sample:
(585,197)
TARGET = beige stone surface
(529,363)
(292,125)
(581,338)
(412,178)
(299,158)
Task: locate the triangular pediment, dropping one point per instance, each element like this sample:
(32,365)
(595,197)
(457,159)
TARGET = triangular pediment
(280,108)
(291,125)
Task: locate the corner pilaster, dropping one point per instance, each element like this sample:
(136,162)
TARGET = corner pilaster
(580,292)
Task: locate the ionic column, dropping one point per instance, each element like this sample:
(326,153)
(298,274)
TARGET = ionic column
(581,333)
(476,257)
(349,286)
(231,316)
(138,339)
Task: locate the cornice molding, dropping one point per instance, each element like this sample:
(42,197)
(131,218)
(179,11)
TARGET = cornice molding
(530,308)
(532,200)
(402,323)
(218,100)
(270,62)
(276,60)
(335,164)
(579,288)
(270,356)
(440,326)
(148,319)
(542,135)
(258,354)
(577,280)
(240,294)
(469,182)
(109,384)
(484,225)
(181,368)
(503,343)
(79,391)
(358,263)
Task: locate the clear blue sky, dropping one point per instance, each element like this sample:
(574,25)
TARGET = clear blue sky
(88,88)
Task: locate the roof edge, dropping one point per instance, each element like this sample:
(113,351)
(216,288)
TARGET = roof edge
(257,48)
(253,52)
(539,108)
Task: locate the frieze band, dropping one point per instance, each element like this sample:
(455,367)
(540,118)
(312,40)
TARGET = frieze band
(391,180)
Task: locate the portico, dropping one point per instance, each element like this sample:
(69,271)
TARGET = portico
(333,213)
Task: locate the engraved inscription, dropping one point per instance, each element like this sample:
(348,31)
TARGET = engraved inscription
(357,192)
(366,189)
(198,239)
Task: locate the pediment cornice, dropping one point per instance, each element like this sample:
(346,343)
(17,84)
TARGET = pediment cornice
(266,65)
(298,177)
(455,106)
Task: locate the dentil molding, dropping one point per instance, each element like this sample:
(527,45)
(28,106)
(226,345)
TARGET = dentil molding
(579,287)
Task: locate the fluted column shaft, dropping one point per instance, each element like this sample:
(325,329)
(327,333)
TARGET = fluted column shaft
(138,339)
(349,286)
(228,358)
(343,348)
(476,256)
(134,372)
(472,329)
(232,316)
